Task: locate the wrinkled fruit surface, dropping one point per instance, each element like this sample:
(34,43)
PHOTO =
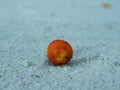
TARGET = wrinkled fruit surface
(59,52)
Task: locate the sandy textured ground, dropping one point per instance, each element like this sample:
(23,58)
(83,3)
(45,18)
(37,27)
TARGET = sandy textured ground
(28,26)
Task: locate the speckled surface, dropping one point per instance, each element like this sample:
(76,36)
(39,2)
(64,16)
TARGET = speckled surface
(28,26)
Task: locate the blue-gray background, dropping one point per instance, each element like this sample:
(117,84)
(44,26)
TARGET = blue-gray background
(28,26)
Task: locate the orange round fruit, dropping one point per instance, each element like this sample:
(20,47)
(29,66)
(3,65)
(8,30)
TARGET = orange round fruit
(59,52)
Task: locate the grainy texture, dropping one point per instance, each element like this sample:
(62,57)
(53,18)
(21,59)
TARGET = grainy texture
(27,27)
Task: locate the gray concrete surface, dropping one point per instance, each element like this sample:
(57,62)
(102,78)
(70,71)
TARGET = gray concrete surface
(28,26)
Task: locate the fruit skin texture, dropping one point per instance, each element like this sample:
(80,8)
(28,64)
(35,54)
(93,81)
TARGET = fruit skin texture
(59,52)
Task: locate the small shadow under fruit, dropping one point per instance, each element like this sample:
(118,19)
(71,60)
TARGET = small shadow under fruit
(75,62)
(82,60)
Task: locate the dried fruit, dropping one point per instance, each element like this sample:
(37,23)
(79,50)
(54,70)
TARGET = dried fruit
(106,5)
(59,52)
